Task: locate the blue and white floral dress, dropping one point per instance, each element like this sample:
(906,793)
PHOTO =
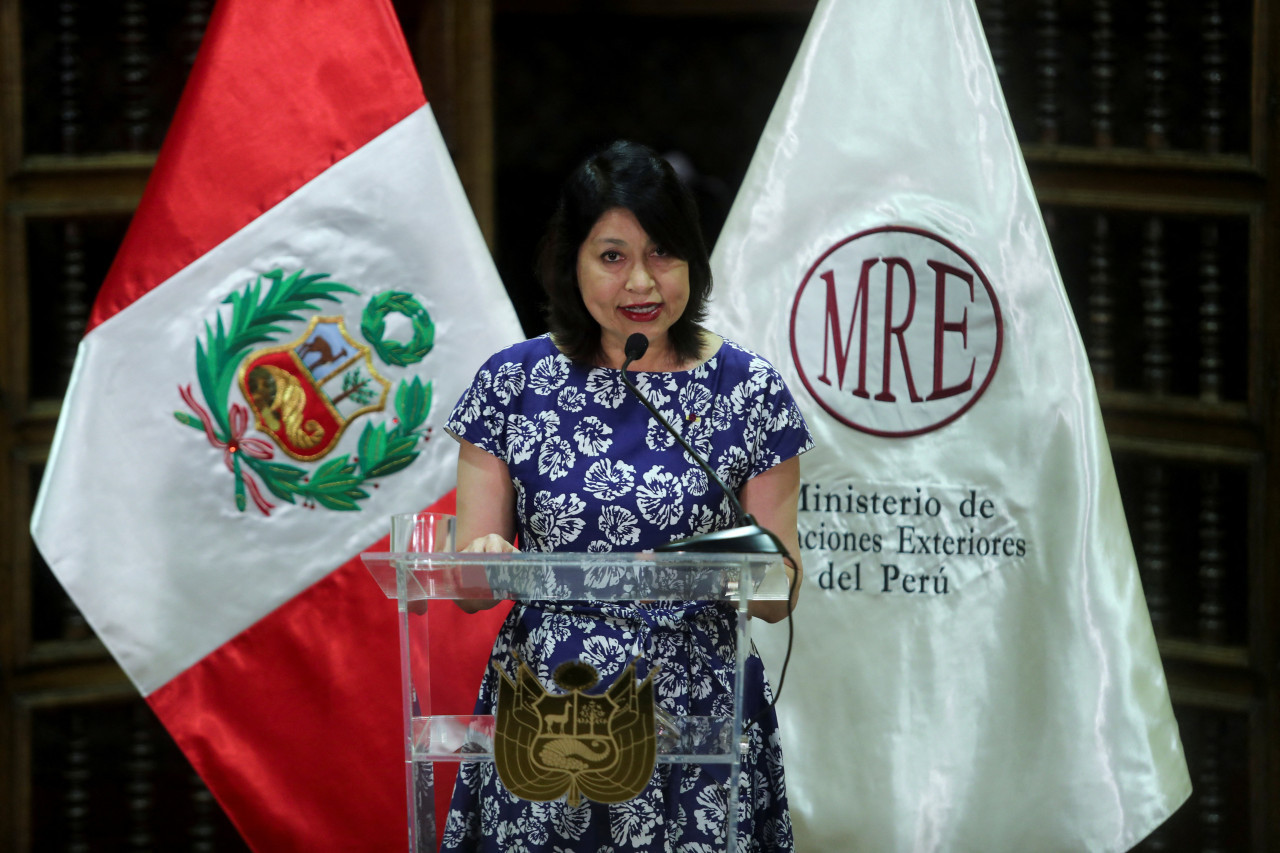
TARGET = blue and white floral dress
(594,472)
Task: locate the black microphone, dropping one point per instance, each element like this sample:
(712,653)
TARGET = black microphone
(745,537)
(637,345)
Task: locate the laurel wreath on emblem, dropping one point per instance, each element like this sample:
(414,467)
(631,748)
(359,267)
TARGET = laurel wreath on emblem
(374,325)
(258,312)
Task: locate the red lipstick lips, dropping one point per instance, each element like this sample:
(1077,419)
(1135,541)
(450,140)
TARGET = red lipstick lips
(642,313)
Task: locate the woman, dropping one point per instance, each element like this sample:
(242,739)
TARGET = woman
(555,450)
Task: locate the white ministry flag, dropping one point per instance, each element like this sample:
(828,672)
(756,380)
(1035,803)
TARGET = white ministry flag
(974,668)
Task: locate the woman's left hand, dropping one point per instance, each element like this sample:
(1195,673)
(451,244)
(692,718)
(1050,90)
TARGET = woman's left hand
(772,498)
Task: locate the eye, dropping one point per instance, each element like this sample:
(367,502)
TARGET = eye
(611,256)
(661,251)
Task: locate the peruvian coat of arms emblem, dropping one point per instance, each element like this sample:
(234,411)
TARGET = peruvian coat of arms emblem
(602,747)
(289,388)
(304,393)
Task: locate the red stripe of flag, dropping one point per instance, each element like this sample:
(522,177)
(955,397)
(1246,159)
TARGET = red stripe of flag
(294,772)
(264,112)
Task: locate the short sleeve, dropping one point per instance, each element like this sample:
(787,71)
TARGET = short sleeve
(477,417)
(776,431)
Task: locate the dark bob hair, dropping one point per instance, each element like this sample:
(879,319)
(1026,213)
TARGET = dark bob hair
(633,176)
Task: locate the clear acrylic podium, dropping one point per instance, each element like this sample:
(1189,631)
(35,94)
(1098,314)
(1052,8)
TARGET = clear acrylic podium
(412,579)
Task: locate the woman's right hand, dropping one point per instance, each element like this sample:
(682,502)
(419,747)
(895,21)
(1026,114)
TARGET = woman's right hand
(487,506)
(490,543)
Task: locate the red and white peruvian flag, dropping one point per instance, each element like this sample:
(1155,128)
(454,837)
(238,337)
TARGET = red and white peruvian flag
(301,297)
(974,665)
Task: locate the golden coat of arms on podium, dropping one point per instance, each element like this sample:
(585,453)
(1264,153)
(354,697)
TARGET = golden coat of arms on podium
(602,747)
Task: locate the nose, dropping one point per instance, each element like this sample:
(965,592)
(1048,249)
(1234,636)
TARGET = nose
(640,279)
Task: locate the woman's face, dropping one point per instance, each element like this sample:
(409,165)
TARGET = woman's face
(630,284)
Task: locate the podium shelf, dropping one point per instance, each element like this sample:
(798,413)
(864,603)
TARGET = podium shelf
(468,738)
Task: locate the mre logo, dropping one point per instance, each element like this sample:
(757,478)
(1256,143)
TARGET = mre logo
(896,331)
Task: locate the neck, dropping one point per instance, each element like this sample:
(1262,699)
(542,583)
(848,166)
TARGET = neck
(660,356)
